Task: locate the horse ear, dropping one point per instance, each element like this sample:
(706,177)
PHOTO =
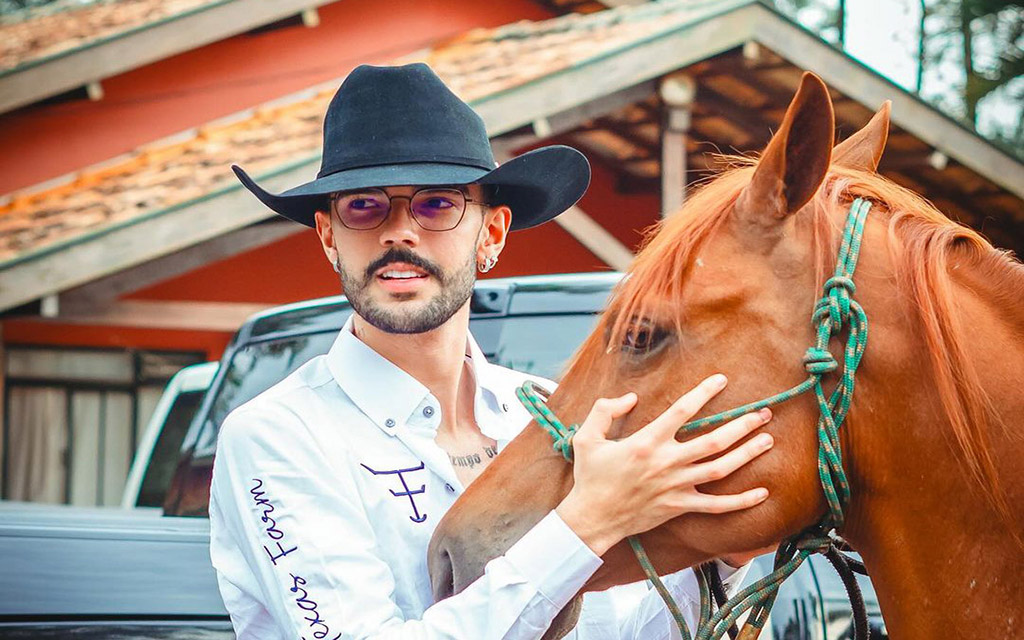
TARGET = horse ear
(796,159)
(863,150)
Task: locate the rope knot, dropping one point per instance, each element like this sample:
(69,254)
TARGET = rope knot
(814,542)
(842,283)
(563,443)
(839,290)
(818,361)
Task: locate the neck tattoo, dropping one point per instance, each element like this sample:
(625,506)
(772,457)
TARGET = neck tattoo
(471,460)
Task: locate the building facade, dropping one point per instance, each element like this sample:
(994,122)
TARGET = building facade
(128,250)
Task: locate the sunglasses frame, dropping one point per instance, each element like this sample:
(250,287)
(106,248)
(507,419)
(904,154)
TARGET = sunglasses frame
(334,197)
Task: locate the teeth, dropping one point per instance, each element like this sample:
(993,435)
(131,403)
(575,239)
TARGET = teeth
(400,274)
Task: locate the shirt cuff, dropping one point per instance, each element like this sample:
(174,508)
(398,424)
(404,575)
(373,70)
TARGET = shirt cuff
(554,560)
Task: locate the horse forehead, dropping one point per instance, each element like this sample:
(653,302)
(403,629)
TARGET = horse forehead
(724,274)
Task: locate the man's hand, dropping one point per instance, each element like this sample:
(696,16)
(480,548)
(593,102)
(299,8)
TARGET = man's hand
(635,484)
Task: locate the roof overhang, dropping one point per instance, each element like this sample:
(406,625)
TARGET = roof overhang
(552,103)
(41,78)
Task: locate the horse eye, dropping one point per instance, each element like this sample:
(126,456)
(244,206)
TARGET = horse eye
(642,336)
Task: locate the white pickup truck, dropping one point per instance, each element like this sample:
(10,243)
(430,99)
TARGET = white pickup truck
(144,571)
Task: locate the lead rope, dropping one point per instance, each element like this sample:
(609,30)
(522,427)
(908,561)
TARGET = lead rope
(835,309)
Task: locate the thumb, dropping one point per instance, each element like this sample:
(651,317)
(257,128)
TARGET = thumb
(603,413)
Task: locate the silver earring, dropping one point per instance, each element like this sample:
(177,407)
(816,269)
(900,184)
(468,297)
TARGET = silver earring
(337,263)
(487,264)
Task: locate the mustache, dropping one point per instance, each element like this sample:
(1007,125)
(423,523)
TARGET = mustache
(396,254)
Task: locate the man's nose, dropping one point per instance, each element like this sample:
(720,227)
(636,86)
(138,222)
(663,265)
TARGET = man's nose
(399,227)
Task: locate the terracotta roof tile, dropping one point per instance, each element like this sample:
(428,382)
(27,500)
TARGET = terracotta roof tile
(45,32)
(479,63)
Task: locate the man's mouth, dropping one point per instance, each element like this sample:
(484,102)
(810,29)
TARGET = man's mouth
(401,272)
(401,275)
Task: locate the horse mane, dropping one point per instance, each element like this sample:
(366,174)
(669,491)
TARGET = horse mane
(925,247)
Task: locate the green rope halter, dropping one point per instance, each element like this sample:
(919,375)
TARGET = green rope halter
(835,309)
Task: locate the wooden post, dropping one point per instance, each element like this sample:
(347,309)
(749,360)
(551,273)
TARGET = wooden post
(310,17)
(677,92)
(94,90)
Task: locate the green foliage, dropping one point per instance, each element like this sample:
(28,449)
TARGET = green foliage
(975,49)
(969,53)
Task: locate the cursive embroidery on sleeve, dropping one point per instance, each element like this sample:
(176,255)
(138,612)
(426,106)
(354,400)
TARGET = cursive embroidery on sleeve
(279,551)
(307,604)
(271,529)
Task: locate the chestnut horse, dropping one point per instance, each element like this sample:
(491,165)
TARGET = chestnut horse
(932,445)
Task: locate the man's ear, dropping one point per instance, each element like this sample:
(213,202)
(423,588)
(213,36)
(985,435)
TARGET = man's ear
(326,233)
(863,150)
(494,231)
(796,160)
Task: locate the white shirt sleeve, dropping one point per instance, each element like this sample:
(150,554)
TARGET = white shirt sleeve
(294,536)
(650,618)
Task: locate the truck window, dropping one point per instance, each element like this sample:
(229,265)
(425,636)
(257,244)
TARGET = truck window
(167,448)
(258,366)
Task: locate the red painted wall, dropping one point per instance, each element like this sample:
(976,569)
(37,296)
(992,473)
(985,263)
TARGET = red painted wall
(625,216)
(40,332)
(44,141)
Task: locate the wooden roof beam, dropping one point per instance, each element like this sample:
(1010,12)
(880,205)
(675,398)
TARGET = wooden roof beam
(759,127)
(590,80)
(573,118)
(625,131)
(101,292)
(157,314)
(596,238)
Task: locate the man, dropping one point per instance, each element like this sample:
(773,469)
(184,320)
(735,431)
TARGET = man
(327,487)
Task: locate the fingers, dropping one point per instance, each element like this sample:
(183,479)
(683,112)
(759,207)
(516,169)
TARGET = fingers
(723,437)
(723,466)
(603,413)
(706,503)
(667,424)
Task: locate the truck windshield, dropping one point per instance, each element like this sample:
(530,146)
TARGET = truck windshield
(257,366)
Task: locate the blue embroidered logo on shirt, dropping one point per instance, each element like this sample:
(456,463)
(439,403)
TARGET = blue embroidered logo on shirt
(407,493)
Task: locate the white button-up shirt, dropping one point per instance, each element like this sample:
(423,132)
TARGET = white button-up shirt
(327,488)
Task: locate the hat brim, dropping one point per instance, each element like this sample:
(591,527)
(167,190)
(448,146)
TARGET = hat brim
(537,185)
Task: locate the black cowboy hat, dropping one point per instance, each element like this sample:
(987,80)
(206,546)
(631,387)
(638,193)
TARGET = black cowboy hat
(391,126)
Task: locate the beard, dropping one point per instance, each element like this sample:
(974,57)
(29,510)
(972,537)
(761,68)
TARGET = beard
(456,288)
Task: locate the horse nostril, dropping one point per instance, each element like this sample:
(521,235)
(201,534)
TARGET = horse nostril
(442,578)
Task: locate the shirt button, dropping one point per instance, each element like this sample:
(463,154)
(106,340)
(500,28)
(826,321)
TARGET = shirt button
(428,411)
(449,487)
(389,423)
(504,407)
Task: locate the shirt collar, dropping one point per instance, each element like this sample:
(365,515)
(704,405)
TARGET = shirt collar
(387,394)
